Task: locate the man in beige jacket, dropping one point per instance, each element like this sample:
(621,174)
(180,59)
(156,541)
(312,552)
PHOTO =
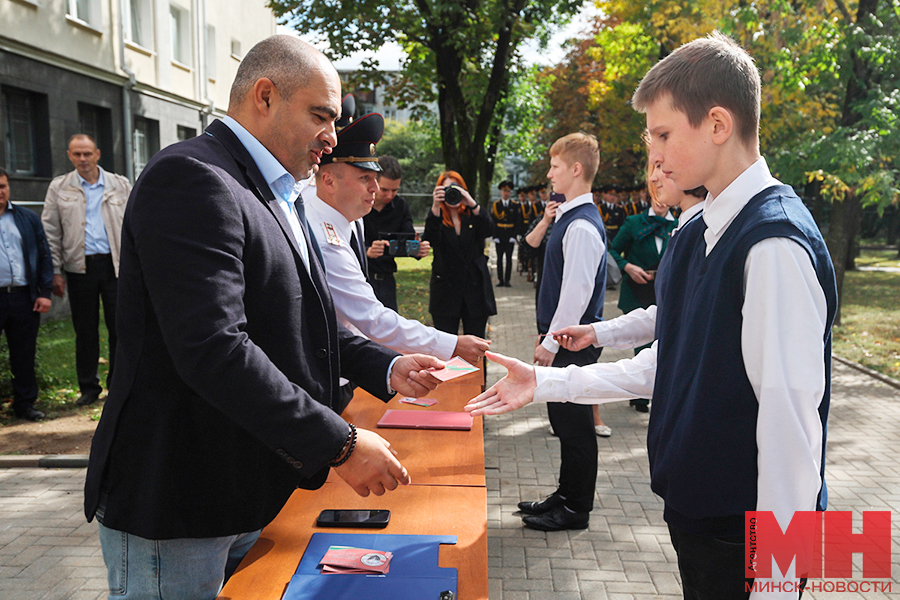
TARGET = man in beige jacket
(82,216)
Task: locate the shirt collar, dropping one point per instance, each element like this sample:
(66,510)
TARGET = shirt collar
(721,210)
(329,214)
(575,203)
(668,216)
(280,181)
(83,181)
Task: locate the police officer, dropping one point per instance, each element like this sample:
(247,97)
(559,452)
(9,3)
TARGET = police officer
(507,217)
(345,191)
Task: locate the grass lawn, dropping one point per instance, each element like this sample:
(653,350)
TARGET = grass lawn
(413,277)
(55,365)
(870,311)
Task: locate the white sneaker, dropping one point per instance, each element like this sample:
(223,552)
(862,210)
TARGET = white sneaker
(603,430)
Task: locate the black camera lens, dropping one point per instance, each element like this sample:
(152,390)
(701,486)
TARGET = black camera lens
(452,194)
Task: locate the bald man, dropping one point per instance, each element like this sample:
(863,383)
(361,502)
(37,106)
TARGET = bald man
(223,401)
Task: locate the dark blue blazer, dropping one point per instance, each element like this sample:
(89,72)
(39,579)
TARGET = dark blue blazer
(228,357)
(38,262)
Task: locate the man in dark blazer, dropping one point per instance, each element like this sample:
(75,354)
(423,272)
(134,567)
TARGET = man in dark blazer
(229,349)
(26,277)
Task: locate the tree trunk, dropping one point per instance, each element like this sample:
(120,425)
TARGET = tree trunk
(838,240)
(845,214)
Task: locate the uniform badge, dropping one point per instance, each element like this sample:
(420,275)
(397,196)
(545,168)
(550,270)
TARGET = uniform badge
(331,235)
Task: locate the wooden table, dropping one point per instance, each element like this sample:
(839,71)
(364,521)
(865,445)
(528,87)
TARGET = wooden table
(448,497)
(415,510)
(432,457)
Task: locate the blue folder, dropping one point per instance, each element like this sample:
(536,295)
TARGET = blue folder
(414,573)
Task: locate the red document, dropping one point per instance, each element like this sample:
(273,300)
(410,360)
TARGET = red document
(420,419)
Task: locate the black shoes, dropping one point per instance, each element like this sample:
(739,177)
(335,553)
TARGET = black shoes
(545,505)
(87,399)
(504,284)
(557,519)
(642,405)
(29,413)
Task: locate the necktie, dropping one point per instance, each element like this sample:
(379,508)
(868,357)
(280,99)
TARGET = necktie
(300,209)
(355,236)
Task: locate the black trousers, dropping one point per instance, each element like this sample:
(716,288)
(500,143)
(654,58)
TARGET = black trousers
(504,269)
(20,324)
(574,425)
(712,568)
(385,288)
(86,291)
(471,325)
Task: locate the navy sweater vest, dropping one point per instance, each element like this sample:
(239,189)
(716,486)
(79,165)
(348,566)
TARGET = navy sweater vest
(702,434)
(551,280)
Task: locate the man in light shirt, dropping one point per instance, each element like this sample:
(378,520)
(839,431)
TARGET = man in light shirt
(742,387)
(83,213)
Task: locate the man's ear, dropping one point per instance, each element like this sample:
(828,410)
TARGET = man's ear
(264,94)
(326,178)
(722,124)
(577,169)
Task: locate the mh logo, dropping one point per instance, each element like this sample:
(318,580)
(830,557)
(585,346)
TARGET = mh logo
(822,542)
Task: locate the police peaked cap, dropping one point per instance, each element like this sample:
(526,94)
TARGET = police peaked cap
(505,183)
(356,143)
(348,110)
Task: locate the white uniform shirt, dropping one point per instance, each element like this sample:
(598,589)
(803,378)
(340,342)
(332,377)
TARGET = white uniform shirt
(782,344)
(354,300)
(582,248)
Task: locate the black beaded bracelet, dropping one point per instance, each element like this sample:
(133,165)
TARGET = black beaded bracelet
(350,444)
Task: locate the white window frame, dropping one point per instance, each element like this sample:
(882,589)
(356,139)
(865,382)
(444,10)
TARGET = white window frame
(180,32)
(139,16)
(86,11)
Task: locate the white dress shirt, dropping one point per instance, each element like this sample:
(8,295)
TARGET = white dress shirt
(783,348)
(354,300)
(584,248)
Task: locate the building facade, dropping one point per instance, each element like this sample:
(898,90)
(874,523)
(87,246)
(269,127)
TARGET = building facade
(137,75)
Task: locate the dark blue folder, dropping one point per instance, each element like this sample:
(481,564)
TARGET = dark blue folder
(414,571)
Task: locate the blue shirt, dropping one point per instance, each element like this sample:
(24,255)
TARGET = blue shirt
(12,259)
(282,183)
(95,240)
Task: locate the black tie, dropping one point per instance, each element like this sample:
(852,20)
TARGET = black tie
(311,240)
(355,236)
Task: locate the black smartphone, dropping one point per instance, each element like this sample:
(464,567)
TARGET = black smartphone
(376,519)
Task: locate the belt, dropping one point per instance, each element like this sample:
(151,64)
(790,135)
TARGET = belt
(381,276)
(98,256)
(13,289)
(506,225)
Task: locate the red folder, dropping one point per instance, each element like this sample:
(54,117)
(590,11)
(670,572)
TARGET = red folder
(420,419)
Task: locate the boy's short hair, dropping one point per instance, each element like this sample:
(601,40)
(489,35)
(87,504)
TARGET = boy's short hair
(581,148)
(707,72)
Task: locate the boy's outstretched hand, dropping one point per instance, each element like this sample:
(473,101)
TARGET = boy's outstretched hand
(510,393)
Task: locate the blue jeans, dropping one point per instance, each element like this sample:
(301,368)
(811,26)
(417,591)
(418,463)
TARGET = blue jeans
(182,569)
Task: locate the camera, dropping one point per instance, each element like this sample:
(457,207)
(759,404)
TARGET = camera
(453,194)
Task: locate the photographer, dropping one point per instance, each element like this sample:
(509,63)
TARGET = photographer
(389,215)
(461,286)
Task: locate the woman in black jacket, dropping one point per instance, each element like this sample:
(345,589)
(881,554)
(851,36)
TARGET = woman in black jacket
(461,286)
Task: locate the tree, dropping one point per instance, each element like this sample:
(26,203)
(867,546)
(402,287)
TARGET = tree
(831,89)
(459,54)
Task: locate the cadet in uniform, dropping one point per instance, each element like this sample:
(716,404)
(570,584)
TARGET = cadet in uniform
(507,216)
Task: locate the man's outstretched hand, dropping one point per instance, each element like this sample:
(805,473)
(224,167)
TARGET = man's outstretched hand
(510,393)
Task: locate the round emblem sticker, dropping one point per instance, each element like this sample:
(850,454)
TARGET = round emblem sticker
(372,149)
(373,560)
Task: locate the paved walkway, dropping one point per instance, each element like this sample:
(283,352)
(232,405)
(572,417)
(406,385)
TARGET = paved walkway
(47,551)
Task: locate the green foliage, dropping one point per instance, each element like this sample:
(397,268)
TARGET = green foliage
(418,148)
(413,291)
(459,54)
